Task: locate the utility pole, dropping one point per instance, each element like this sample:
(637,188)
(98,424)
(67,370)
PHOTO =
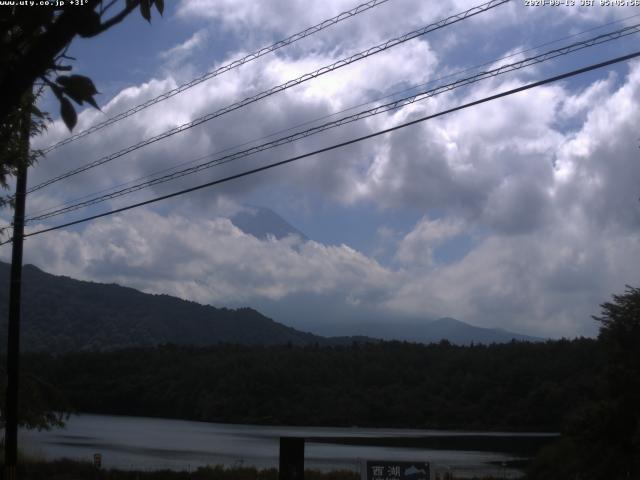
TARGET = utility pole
(15,287)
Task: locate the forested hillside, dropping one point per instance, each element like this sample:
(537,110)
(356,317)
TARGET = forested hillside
(517,386)
(61,314)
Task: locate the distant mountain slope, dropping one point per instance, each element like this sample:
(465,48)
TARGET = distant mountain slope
(262,222)
(463,333)
(433,331)
(62,314)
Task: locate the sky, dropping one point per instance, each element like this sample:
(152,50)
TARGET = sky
(522,213)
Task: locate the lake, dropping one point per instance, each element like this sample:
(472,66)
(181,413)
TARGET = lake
(153,443)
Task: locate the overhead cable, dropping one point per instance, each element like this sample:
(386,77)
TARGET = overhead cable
(220,70)
(346,120)
(291,83)
(113,188)
(342,144)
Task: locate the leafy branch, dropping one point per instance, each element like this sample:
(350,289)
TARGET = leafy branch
(32,43)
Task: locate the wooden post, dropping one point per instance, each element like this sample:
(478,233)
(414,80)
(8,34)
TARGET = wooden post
(15,286)
(291,458)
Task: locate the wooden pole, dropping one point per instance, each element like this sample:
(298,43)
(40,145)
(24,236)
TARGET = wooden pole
(15,287)
(291,458)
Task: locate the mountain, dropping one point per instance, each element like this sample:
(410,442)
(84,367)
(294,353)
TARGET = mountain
(263,222)
(426,331)
(61,314)
(462,333)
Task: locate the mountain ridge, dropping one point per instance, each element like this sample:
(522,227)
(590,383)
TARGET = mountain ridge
(262,222)
(63,314)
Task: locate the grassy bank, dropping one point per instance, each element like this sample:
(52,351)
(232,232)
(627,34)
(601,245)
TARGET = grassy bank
(74,470)
(66,469)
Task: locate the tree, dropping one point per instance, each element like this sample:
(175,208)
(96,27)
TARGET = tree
(602,437)
(11,148)
(620,339)
(43,405)
(33,46)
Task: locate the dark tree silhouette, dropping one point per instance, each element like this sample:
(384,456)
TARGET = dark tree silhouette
(620,412)
(602,436)
(33,45)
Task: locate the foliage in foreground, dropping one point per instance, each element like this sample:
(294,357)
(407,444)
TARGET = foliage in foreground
(74,470)
(66,469)
(42,405)
(602,438)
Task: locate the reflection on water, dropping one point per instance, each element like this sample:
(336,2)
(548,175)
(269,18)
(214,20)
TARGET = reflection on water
(152,443)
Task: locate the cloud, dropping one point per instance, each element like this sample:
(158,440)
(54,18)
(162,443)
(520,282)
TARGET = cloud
(581,102)
(260,23)
(416,248)
(546,181)
(558,240)
(312,100)
(546,283)
(183,50)
(207,260)
(472,163)
(256,17)
(597,168)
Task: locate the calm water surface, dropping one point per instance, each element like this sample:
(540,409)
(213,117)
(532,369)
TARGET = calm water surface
(152,443)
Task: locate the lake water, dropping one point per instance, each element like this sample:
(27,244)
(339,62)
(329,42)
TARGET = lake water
(152,443)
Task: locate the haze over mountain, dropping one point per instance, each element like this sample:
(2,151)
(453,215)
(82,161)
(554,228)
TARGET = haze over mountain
(263,222)
(450,329)
(62,314)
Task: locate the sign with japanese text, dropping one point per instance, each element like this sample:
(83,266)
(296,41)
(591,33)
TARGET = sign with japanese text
(391,470)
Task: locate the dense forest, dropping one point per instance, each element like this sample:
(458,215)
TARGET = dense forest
(515,386)
(588,389)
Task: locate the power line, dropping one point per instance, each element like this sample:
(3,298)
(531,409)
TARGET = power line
(220,70)
(459,72)
(324,117)
(291,83)
(527,62)
(343,144)
(430,82)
